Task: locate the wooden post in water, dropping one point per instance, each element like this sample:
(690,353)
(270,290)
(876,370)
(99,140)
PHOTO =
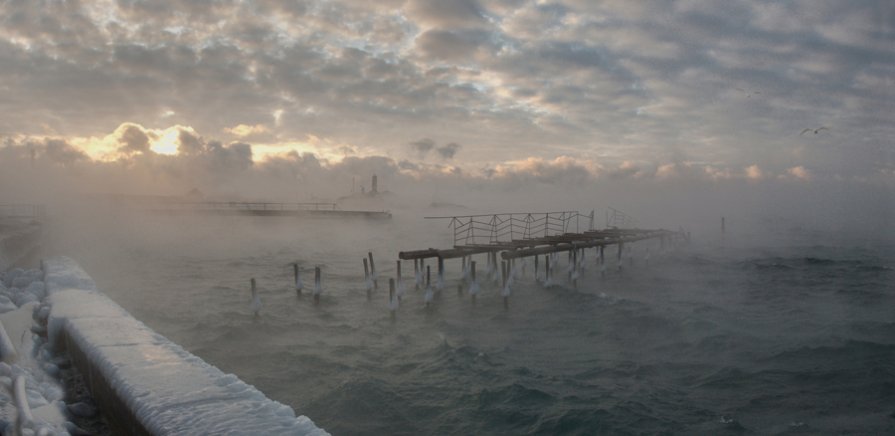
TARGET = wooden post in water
(440,283)
(298,284)
(416,274)
(427,297)
(318,288)
(367,278)
(473,284)
(505,291)
(391,295)
(373,271)
(602,261)
(621,247)
(574,272)
(547,261)
(536,267)
(398,279)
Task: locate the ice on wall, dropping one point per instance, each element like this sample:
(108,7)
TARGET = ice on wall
(169,390)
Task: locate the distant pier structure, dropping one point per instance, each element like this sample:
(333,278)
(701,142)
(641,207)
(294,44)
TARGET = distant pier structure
(255,208)
(520,235)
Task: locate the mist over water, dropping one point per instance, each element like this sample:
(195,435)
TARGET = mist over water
(789,333)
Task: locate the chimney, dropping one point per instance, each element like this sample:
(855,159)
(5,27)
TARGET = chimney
(375,188)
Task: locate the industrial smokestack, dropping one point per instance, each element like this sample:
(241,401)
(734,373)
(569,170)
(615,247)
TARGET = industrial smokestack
(375,188)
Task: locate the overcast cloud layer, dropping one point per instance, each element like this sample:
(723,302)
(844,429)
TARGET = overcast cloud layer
(485,88)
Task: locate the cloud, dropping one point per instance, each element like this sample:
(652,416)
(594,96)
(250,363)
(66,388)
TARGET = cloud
(422,147)
(452,45)
(244,130)
(799,172)
(612,81)
(61,152)
(453,14)
(133,138)
(448,151)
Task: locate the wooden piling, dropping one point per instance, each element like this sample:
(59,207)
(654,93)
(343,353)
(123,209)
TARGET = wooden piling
(536,267)
(473,283)
(428,294)
(373,271)
(391,294)
(602,261)
(416,273)
(505,289)
(440,282)
(298,284)
(256,301)
(318,288)
(367,278)
(621,247)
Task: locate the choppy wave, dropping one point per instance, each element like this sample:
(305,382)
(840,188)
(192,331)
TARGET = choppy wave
(781,340)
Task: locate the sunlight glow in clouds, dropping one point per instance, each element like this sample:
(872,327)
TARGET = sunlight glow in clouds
(654,82)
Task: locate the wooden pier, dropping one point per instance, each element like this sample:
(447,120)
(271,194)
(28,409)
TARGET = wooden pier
(519,235)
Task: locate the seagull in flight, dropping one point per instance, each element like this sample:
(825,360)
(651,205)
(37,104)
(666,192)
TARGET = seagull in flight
(816,131)
(748,93)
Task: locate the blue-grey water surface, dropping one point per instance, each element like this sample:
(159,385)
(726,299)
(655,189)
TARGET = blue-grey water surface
(785,334)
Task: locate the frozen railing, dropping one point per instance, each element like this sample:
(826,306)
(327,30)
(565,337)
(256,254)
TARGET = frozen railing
(505,227)
(619,219)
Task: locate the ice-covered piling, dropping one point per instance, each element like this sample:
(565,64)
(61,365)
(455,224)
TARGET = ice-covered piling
(399,281)
(392,299)
(373,273)
(429,295)
(298,285)
(368,280)
(473,284)
(318,287)
(440,283)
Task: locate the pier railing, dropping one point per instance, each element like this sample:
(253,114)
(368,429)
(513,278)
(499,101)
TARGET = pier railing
(507,227)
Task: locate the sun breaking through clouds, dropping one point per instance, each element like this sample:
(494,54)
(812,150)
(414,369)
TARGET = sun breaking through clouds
(667,88)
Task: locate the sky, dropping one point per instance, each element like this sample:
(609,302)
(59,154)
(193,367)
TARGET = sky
(563,91)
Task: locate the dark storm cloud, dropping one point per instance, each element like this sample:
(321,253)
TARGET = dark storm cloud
(449,150)
(423,146)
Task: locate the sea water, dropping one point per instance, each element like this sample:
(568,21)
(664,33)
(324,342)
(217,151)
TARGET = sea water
(791,333)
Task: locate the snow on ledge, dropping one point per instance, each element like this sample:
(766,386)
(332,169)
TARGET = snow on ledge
(167,389)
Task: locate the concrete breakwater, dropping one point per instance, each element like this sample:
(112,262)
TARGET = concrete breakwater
(146,383)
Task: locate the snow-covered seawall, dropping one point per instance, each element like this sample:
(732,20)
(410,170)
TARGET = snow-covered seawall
(146,383)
